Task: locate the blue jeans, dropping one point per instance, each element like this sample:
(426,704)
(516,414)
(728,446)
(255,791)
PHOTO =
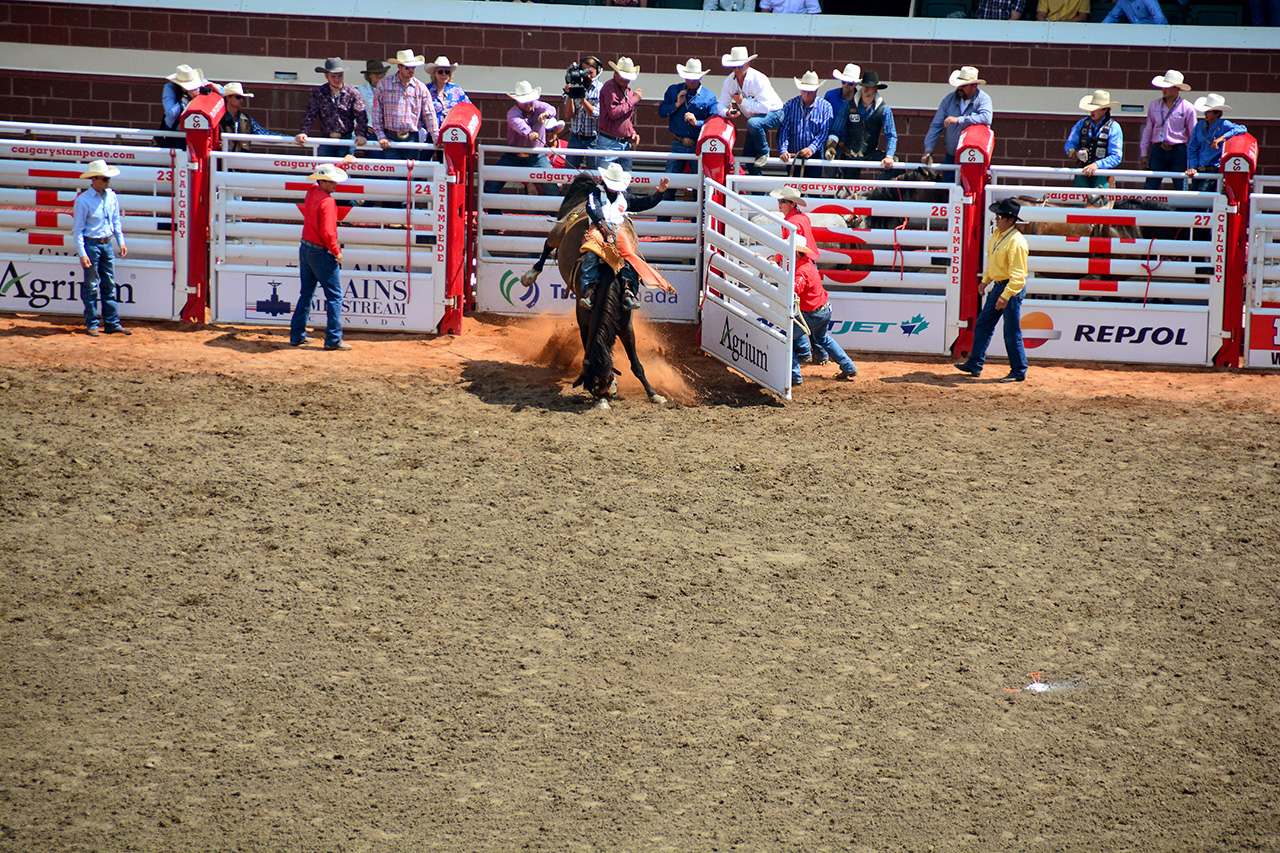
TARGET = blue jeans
(986,328)
(574,161)
(819,323)
(1166,161)
(602,144)
(317,266)
(100,283)
(336,150)
(679,167)
(1265,13)
(511,158)
(756,139)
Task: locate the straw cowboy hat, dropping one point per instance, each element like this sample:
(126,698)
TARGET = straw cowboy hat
(1211,101)
(736,57)
(614,177)
(851,73)
(327,172)
(871,80)
(375,66)
(441,62)
(553,125)
(1007,207)
(332,65)
(691,70)
(808,83)
(100,169)
(1169,79)
(790,194)
(804,245)
(626,69)
(235,89)
(407,58)
(187,77)
(525,94)
(1099,100)
(964,76)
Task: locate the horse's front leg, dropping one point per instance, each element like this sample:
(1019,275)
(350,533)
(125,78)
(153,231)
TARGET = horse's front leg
(531,275)
(628,335)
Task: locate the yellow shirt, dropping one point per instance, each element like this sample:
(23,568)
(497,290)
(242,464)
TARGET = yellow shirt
(1007,259)
(1063,10)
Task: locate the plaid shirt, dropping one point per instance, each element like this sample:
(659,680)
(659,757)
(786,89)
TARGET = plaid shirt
(583,123)
(342,113)
(997,10)
(402,108)
(803,127)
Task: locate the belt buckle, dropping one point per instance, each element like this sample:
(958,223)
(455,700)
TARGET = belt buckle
(335,136)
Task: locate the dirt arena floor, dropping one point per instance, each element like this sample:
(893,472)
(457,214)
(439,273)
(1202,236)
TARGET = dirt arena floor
(419,597)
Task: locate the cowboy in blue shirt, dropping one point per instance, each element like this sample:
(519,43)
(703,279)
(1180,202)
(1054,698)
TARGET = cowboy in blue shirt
(1096,140)
(1204,151)
(687,106)
(95,223)
(1136,12)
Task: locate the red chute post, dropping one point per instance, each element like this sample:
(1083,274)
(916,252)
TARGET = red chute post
(458,142)
(200,121)
(973,156)
(1239,162)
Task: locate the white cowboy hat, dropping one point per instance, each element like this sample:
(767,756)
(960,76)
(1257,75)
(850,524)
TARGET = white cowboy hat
(553,125)
(808,83)
(235,89)
(407,58)
(789,193)
(626,69)
(691,70)
(736,57)
(851,74)
(327,172)
(100,169)
(804,245)
(187,77)
(441,62)
(1211,101)
(614,177)
(964,76)
(525,93)
(1099,100)
(1170,79)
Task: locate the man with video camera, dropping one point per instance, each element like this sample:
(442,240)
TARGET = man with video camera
(582,106)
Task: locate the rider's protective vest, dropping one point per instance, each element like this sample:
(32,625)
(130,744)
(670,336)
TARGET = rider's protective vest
(1093,140)
(861,135)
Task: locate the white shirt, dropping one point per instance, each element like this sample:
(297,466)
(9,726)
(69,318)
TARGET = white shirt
(758,96)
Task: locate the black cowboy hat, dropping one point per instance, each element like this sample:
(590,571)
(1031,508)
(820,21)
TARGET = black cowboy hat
(376,66)
(1007,207)
(871,80)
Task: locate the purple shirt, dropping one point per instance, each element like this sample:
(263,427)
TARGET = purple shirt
(343,113)
(1167,124)
(617,109)
(519,126)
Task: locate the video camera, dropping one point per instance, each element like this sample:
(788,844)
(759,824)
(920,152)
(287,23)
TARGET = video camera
(578,78)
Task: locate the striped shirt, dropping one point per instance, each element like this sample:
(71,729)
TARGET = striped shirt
(403,108)
(1167,124)
(804,127)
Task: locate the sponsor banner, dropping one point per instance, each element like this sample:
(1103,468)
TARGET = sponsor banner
(1094,331)
(376,300)
(499,291)
(866,323)
(1263,346)
(51,285)
(746,347)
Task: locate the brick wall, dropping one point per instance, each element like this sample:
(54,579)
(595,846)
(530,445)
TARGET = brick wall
(1019,139)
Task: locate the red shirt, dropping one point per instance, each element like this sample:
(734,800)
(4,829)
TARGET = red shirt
(808,280)
(320,220)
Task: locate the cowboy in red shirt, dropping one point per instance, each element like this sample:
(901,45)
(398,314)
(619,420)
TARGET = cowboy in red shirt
(320,259)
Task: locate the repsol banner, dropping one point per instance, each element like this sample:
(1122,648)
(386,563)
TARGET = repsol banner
(747,347)
(52,285)
(889,324)
(499,291)
(378,299)
(1097,332)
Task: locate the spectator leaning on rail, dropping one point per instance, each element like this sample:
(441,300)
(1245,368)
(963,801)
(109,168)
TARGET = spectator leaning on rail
(806,121)
(1096,140)
(859,125)
(686,106)
(1006,272)
(1075,11)
(320,259)
(1167,130)
(999,10)
(848,90)
(966,106)
(235,119)
(749,94)
(445,94)
(1204,152)
(374,71)
(184,84)
(402,104)
(615,127)
(1136,12)
(527,123)
(339,109)
(95,222)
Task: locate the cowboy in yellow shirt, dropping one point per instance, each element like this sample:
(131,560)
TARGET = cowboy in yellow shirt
(1006,273)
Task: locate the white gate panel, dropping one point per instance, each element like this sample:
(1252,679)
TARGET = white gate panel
(1262,276)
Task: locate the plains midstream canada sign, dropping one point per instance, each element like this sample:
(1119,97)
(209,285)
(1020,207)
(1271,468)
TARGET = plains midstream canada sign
(499,291)
(51,285)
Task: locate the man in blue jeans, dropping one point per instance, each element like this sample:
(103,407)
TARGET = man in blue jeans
(96,222)
(748,94)
(320,259)
(686,106)
(1006,272)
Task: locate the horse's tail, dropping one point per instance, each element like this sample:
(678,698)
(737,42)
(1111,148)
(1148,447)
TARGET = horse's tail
(606,317)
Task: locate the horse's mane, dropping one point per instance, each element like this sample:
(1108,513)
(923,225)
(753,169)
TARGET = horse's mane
(597,367)
(581,187)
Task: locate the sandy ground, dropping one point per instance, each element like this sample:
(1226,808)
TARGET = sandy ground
(418,596)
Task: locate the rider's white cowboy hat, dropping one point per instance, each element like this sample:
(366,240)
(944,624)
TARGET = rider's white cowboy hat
(851,74)
(1099,100)
(327,172)
(691,70)
(235,89)
(1170,79)
(407,58)
(790,194)
(525,93)
(1211,101)
(808,83)
(441,62)
(964,76)
(100,169)
(804,245)
(187,77)
(614,177)
(626,69)
(736,57)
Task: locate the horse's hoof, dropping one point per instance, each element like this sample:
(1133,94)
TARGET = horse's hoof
(602,403)
(657,398)
(529,277)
